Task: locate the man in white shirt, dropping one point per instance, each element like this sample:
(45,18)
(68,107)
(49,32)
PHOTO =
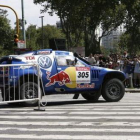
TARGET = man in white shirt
(91,59)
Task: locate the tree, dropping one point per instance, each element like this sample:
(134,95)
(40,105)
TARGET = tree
(34,36)
(130,42)
(6,36)
(31,37)
(85,16)
(49,33)
(130,39)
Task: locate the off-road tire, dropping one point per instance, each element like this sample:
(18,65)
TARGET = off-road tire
(113,90)
(29,90)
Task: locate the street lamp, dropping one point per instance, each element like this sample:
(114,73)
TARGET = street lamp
(42,32)
(23,22)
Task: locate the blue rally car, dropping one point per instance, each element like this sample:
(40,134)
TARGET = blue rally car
(64,72)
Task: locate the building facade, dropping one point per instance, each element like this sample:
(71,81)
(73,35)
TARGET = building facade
(110,41)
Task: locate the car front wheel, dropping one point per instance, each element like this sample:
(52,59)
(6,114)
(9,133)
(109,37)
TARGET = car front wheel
(113,90)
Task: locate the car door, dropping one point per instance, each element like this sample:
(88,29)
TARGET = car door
(73,74)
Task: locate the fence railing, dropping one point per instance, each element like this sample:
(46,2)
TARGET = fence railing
(20,83)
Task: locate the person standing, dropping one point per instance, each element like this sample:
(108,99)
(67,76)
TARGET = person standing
(136,72)
(91,59)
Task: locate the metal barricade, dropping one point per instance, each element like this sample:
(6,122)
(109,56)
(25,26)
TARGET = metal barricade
(20,83)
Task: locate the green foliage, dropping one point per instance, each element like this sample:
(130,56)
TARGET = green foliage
(80,20)
(31,37)
(34,36)
(49,32)
(130,42)
(6,36)
(85,16)
(105,51)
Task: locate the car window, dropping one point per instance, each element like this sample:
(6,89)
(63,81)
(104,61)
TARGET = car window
(79,63)
(69,61)
(65,60)
(61,61)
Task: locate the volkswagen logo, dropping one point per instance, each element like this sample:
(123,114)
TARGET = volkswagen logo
(44,62)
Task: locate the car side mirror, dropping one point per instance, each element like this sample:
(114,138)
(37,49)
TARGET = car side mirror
(75,61)
(76,55)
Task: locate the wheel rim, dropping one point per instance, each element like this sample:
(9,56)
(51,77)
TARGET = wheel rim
(114,90)
(30,92)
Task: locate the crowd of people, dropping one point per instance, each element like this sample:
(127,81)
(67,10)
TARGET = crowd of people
(130,65)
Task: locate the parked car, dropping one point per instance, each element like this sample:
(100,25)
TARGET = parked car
(63,72)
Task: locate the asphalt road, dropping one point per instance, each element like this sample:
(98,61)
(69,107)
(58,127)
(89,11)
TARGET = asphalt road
(66,119)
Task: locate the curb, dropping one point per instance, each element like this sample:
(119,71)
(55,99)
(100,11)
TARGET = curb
(132,90)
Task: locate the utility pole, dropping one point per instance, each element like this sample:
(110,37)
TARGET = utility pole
(23,22)
(42,32)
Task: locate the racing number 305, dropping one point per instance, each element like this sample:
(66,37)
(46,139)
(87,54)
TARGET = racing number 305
(83,74)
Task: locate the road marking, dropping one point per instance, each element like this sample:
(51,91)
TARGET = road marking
(71,117)
(106,113)
(71,129)
(72,123)
(137,108)
(131,112)
(81,137)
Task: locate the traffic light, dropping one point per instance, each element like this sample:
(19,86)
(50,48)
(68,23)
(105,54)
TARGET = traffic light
(16,39)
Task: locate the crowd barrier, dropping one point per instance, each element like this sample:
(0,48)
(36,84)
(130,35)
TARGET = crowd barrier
(12,83)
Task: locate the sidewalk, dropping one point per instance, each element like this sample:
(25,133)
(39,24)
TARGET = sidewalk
(132,90)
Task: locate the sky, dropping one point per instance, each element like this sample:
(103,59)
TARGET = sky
(31,13)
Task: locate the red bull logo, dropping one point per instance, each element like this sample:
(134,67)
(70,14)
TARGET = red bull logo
(61,78)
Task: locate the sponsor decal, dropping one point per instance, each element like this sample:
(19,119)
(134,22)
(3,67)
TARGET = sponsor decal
(82,69)
(61,78)
(30,57)
(43,52)
(44,61)
(24,67)
(61,53)
(86,85)
(82,75)
(13,77)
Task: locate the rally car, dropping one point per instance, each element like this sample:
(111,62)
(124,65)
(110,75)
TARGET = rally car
(64,72)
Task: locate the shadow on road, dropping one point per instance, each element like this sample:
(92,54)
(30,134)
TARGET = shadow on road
(56,103)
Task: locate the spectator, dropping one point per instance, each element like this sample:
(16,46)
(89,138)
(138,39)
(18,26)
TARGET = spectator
(121,63)
(136,72)
(101,63)
(126,71)
(91,59)
(129,64)
(125,54)
(117,67)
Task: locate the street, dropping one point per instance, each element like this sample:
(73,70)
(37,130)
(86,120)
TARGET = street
(65,118)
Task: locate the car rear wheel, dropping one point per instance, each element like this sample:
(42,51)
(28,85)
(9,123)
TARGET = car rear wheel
(29,90)
(94,96)
(113,90)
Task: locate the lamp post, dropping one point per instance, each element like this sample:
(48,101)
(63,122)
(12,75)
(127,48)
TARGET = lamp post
(17,19)
(23,22)
(42,32)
